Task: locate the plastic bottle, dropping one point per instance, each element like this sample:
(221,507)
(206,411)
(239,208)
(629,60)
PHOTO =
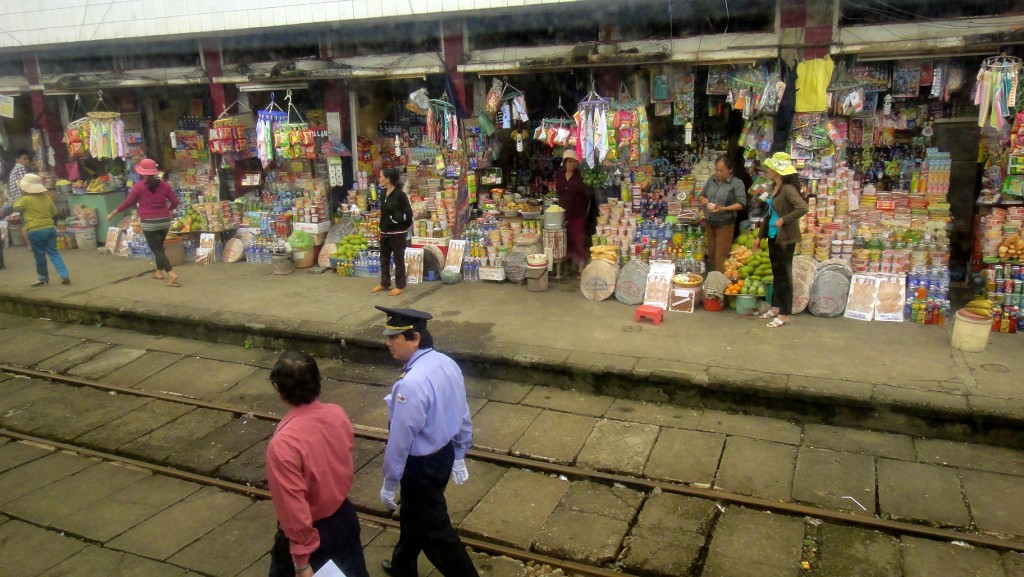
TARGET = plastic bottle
(1014,319)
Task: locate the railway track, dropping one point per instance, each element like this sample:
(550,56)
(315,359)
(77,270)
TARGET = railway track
(491,546)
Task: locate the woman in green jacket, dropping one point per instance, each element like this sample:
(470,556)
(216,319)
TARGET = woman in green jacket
(781,227)
(39,212)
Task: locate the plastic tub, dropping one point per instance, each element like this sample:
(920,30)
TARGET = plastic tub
(746,305)
(85,237)
(970,335)
(713,304)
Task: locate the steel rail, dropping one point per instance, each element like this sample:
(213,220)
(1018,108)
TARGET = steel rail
(886,525)
(473,543)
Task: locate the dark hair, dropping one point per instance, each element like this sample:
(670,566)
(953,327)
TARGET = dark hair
(793,180)
(392,175)
(297,378)
(426,339)
(152,182)
(22,152)
(727,161)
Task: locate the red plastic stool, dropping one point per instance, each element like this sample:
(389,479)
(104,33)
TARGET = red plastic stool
(656,314)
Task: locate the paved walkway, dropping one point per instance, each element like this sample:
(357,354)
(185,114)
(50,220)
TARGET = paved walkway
(893,376)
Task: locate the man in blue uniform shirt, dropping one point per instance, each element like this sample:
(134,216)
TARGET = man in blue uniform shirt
(428,435)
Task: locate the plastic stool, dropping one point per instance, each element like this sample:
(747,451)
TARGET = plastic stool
(656,314)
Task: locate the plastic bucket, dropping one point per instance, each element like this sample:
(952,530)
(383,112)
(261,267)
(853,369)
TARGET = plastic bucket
(85,237)
(554,219)
(746,305)
(14,232)
(713,304)
(303,258)
(970,335)
(537,277)
(175,251)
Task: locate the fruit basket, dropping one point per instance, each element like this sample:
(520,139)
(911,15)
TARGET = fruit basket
(687,280)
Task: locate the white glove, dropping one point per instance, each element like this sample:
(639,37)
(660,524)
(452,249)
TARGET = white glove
(460,474)
(387,496)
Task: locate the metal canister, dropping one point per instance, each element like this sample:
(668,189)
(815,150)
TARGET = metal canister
(1018,286)
(1006,299)
(1007,270)
(1008,285)
(999,273)
(1015,272)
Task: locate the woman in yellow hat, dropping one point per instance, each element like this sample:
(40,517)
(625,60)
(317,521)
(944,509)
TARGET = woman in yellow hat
(39,213)
(781,227)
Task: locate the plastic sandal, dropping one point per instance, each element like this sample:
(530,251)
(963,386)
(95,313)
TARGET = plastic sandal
(776,323)
(769,315)
(395,292)
(378,289)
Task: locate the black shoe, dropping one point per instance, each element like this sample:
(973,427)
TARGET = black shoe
(39,283)
(65,281)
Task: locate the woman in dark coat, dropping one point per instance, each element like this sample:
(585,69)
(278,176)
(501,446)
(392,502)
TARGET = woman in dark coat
(781,227)
(575,198)
(395,220)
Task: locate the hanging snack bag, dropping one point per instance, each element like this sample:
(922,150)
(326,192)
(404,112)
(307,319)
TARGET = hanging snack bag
(493,101)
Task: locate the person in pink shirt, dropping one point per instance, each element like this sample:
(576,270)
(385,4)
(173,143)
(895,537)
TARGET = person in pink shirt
(155,199)
(309,471)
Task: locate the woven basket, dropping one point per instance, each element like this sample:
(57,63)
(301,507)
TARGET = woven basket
(598,280)
(632,282)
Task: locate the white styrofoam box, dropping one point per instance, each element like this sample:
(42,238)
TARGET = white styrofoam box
(312,227)
(428,241)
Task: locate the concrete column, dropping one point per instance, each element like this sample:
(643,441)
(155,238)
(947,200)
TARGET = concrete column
(212,60)
(805,28)
(46,115)
(453,48)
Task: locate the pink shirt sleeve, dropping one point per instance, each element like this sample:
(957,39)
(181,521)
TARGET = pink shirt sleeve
(288,492)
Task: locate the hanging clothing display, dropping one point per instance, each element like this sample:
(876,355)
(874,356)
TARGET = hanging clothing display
(995,92)
(812,80)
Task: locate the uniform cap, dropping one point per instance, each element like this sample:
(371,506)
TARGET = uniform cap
(401,320)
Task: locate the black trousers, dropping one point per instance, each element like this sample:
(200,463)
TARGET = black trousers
(781,257)
(339,542)
(425,525)
(392,245)
(155,239)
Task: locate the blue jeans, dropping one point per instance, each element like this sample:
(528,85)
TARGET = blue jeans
(44,242)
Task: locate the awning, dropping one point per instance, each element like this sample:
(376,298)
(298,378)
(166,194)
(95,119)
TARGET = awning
(360,68)
(68,83)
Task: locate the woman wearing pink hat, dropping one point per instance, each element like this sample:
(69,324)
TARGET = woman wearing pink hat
(574,197)
(155,200)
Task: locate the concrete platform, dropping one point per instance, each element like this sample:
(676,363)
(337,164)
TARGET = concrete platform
(885,376)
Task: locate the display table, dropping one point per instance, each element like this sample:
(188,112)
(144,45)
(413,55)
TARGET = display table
(103,203)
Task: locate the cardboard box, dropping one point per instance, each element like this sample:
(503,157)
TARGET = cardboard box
(312,227)
(684,300)
(495,273)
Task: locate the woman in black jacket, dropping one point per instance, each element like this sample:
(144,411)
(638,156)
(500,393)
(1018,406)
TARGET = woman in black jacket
(395,220)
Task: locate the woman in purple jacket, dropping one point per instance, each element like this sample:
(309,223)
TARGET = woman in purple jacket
(155,200)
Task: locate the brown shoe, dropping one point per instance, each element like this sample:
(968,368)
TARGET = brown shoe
(379,289)
(395,292)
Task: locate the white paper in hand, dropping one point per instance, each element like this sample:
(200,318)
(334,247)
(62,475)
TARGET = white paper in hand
(329,570)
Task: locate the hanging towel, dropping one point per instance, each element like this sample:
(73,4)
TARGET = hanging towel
(812,79)
(601,135)
(986,98)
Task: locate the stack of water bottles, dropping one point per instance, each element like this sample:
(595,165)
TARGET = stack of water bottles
(138,247)
(259,251)
(368,263)
(927,301)
(471,266)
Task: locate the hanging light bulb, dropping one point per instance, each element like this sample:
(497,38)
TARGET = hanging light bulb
(689,133)
(887,107)
(398,146)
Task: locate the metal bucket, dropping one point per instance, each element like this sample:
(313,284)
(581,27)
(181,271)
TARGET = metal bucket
(283,263)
